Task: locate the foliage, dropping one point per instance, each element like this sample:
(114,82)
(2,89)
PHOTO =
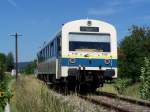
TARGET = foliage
(7,93)
(2,65)
(10,62)
(4,79)
(132,90)
(7,62)
(145,80)
(132,50)
(121,85)
(30,68)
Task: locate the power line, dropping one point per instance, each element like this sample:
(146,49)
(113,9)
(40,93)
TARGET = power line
(16,35)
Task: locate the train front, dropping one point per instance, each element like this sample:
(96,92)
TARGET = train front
(89,52)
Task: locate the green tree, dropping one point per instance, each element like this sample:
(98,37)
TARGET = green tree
(30,68)
(145,80)
(2,65)
(10,62)
(132,50)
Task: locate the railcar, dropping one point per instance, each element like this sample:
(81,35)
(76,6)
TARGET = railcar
(83,52)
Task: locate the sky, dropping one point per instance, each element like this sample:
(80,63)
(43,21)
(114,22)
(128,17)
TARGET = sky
(39,20)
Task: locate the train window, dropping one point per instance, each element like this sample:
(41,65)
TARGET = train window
(49,53)
(39,55)
(42,56)
(46,52)
(58,46)
(52,47)
(89,42)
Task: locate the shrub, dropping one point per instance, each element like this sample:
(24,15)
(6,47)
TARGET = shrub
(145,80)
(7,93)
(121,85)
(4,80)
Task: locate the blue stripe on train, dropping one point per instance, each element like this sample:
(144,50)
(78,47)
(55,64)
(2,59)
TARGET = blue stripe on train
(86,62)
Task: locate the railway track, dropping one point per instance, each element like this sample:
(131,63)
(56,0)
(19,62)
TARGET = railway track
(115,102)
(128,99)
(118,103)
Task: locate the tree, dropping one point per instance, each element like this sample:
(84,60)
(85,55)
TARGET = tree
(10,62)
(132,50)
(2,65)
(2,58)
(30,68)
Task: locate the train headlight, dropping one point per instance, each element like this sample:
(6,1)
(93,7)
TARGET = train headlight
(107,61)
(72,60)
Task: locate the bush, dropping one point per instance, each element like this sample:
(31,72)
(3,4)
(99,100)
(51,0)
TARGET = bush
(145,80)
(7,93)
(4,80)
(121,85)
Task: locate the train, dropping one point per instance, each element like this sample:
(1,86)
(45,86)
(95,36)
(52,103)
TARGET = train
(83,52)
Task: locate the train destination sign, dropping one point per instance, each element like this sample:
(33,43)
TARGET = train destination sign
(89,29)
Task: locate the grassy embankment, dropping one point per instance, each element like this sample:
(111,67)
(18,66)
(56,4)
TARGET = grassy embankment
(32,95)
(132,91)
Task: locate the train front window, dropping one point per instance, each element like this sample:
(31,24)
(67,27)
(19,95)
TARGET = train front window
(89,42)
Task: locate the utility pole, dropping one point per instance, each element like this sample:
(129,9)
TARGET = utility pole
(16,50)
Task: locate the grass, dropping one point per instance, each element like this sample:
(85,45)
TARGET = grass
(108,88)
(132,91)
(32,95)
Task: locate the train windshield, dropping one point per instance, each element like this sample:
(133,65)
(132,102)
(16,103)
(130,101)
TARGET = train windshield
(89,42)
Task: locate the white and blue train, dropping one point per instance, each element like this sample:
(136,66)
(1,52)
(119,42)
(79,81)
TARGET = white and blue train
(82,52)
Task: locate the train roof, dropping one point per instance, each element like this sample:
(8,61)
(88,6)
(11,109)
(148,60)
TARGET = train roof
(85,20)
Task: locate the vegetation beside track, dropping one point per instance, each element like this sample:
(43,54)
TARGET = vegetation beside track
(132,90)
(132,51)
(6,63)
(5,91)
(32,95)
